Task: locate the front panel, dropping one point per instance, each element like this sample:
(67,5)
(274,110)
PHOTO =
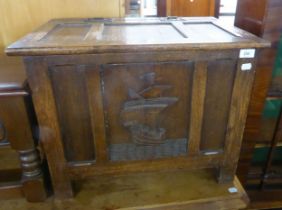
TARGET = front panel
(147,109)
(122,112)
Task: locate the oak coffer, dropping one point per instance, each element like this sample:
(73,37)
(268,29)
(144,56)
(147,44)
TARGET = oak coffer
(117,96)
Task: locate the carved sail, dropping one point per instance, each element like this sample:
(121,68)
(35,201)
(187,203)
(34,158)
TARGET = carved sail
(141,113)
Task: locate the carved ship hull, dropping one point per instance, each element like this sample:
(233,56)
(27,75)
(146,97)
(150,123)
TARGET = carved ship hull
(142,118)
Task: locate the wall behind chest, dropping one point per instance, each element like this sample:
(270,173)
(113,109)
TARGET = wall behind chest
(21,17)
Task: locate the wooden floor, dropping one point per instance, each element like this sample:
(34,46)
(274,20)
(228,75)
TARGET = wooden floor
(160,191)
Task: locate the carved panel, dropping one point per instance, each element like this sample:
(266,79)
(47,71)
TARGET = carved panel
(141,112)
(147,109)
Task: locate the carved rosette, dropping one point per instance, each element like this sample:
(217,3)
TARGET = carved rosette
(30,163)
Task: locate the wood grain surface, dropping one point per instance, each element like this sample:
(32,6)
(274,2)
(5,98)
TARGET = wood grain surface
(147,191)
(144,93)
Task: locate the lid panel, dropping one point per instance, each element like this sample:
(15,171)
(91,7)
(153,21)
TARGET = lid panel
(140,33)
(207,32)
(68,32)
(79,36)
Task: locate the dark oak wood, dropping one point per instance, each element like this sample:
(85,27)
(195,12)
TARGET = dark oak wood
(88,170)
(111,101)
(50,134)
(215,111)
(72,105)
(174,190)
(237,118)
(96,112)
(49,39)
(197,108)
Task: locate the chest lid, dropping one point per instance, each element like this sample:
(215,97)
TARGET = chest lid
(74,36)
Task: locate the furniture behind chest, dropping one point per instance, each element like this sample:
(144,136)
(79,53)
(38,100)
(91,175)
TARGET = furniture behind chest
(20,166)
(264,20)
(188,8)
(121,96)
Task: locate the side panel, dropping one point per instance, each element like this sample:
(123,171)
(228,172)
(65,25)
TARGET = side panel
(219,86)
(70,93)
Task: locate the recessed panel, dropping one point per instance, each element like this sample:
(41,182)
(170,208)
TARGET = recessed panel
(71,98)
(147,109)
(217,103)
(141,33)
(207,32)
(72,32)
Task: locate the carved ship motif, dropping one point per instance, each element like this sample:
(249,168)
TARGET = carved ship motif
(141,114)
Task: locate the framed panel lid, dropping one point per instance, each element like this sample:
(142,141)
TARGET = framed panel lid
(77,36)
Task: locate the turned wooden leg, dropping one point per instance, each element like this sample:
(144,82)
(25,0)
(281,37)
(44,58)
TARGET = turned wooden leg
(32,177)
(18,118)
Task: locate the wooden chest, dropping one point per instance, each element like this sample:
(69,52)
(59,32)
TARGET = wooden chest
(116,96)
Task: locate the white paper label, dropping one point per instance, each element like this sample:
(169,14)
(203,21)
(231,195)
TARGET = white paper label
(247,53)
(211,153)
(233,190)
(246,66)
